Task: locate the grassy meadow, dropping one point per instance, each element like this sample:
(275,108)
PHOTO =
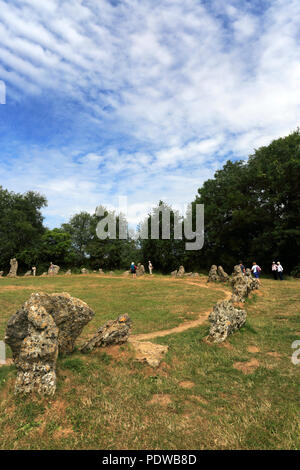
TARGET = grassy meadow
(242,394)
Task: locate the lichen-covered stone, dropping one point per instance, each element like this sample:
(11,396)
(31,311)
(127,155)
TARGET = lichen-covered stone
(140,271)
(213,274)
(242,284)
(112,332)
(45,325)
(13,268)
(180,272)
(53,269)
(225,319)
(223,276)
(148,352)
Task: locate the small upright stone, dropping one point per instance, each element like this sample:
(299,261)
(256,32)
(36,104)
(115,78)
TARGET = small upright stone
(13,268)
(213,274)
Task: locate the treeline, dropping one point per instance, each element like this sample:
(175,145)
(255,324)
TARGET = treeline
(251,214)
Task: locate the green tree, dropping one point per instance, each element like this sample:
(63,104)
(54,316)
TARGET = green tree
(21,226)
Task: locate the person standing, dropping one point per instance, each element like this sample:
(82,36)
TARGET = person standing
(150,267)
(255,270)
(133,269)
(274,270)
(280,270)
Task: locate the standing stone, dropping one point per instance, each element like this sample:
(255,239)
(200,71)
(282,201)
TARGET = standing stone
(84,271)
(13,268)
(225,319)
(34,270)
(28,273)
(101,271)
(180,272)
(53,269)
(213,274)
(45,325)
(68,273)
(1,273)
(113,332)
(174,273)
(195,275)
(223,276)
(140,271)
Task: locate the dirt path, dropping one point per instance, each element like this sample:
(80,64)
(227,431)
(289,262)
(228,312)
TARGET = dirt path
(186,325)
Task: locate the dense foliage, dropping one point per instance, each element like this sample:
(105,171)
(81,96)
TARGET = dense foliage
(251,214)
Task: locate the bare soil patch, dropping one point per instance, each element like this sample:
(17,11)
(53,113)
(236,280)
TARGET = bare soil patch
(247,367)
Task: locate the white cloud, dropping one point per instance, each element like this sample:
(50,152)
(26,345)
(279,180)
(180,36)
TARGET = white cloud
(185,82)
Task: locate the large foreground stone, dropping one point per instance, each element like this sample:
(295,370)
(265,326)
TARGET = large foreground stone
(225,319)
(113,332)
(44,326)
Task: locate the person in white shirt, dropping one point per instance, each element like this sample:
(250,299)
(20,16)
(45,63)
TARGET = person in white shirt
(274,270)
(279,270)
(255,270)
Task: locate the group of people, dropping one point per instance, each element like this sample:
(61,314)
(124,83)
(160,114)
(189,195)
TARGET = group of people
(133,268)
(277,270)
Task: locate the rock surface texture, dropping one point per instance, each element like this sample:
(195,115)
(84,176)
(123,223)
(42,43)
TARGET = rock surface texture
(225,319)
(213,274)
(140,270)
(13,268)
(242,284)
(113,332)
(148,352)
(44,326)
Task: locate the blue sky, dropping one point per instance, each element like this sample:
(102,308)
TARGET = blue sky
(140,98)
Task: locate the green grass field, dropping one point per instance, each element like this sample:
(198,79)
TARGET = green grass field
(242,394)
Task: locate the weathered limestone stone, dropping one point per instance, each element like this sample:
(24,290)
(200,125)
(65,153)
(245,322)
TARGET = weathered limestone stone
(53,269)
(68,273)
(113,332)
(126,273)
(1,273)
(195,275)
(145,351)
(225,319)
(242,284)
(174,273)
(188,274)
(84,271)
(213,274)
(28,273)
(223,276)
(13,268)
(45,325)
(101,271)
(180,272)
(140,271)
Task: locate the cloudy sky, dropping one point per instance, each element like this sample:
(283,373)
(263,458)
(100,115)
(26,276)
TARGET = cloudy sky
(140,98)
